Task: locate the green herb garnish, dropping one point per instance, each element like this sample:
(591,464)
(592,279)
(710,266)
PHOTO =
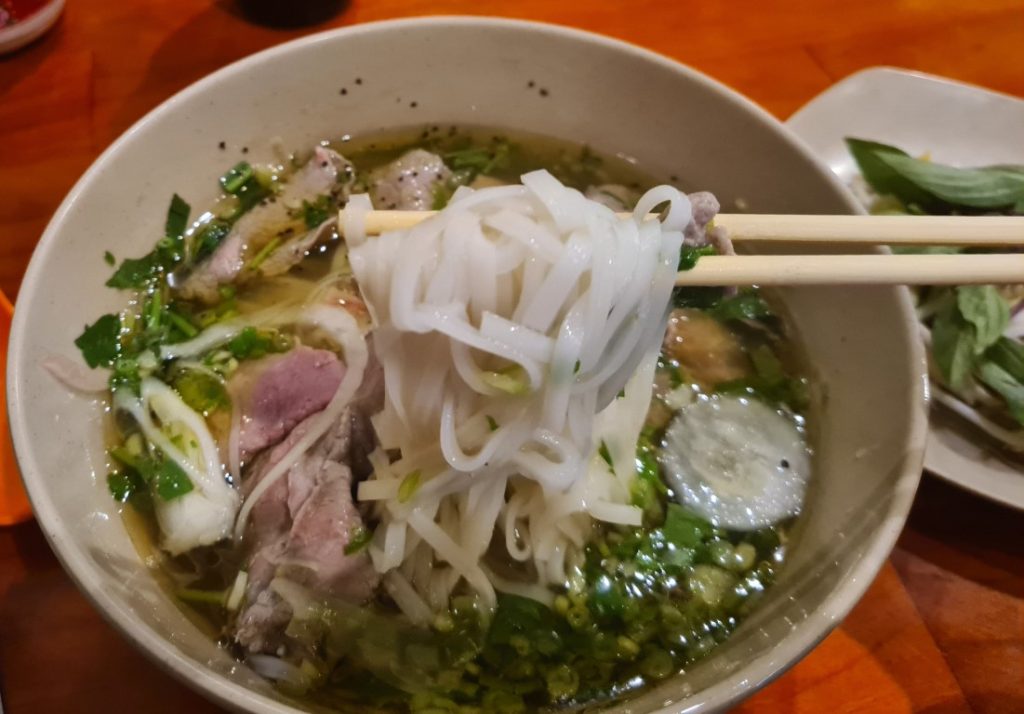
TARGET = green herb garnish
(100,342)
(358,539)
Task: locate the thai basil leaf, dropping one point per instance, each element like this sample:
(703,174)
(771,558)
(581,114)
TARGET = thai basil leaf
(1002,382)
(986,310)
(1009,355)
(974,188)
(881,176)
(100,342)
(953,346)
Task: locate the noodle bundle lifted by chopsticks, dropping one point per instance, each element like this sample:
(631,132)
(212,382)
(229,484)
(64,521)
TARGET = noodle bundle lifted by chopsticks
(505,325)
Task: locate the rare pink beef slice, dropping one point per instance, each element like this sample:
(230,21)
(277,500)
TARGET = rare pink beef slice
(277,392)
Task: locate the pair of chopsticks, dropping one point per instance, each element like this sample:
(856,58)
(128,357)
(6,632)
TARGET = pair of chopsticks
(837,231)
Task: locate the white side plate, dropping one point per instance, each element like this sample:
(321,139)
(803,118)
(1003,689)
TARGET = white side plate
(956,124)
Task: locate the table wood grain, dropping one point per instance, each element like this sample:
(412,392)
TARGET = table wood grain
(941,629)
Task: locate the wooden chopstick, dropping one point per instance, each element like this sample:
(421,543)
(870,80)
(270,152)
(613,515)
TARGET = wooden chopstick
(870,269)
(858,269)
(762,228)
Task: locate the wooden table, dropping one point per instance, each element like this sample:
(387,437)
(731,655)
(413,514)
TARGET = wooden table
(940,630)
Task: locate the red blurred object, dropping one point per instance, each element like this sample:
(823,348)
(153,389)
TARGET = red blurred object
(14,506)
(14,11)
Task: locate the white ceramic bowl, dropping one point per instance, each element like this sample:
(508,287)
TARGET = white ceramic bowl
(619,98)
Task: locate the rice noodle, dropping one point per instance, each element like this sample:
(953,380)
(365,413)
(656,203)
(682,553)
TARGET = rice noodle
(504,324)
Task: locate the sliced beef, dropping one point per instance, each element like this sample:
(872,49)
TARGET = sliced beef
(277,392)
(705,207)
(327,173)
(408,183)
(300,527)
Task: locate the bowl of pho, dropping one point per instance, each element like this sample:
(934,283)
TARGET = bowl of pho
(492,462)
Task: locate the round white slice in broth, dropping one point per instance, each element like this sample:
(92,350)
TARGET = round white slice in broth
(736,461)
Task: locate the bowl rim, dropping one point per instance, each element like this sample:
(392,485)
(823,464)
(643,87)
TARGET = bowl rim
(728,690)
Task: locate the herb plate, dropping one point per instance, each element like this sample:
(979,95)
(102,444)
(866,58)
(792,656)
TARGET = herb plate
(954,123)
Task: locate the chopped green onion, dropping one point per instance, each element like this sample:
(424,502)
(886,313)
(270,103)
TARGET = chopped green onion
(512,381)
(108,258)
(264,253)
(358,538)
(410,484)
(182,323)
(236,177)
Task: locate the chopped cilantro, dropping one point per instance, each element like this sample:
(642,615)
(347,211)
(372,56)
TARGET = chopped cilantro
(100,342)
(251,343)
(170,480)
(688,256)
(177,217)
(316,212)
(135,273)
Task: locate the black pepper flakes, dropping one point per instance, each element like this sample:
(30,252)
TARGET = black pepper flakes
(673,178)
(543,92)
(343,91)
(784,463)
(245,149)
(413,105)
(359,80)
(401,178)
(531,84)
(222,145)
